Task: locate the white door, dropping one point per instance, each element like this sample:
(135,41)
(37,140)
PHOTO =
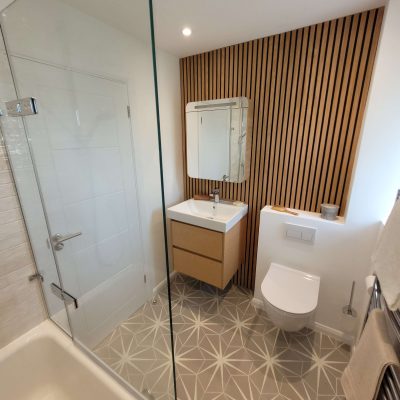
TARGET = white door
(82,148)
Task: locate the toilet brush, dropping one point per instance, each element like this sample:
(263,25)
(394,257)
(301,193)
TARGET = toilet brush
(349,310)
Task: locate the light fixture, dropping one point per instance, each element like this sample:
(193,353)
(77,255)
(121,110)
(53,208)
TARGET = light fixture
(186,31)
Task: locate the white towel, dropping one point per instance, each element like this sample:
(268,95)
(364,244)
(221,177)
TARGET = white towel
(363,375)
(386,259)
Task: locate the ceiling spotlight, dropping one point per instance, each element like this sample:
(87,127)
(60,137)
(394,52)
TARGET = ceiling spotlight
(186,31)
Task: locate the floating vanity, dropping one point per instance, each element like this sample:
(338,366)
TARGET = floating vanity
(208,239)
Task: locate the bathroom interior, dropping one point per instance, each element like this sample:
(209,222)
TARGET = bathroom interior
(198,199)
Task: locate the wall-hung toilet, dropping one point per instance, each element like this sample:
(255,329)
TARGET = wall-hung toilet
(290,296)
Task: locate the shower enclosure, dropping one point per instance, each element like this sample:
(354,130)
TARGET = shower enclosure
(79,122)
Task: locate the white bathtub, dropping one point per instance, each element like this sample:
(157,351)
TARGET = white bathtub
(44,364)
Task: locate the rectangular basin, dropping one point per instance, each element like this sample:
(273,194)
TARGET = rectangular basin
(220,217)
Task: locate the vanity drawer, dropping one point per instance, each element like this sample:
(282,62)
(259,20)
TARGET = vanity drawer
(198,240)
(201,268)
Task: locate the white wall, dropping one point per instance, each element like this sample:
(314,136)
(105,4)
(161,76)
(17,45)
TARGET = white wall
(377,175)
(5,3)
(146,150)
(171,140)
(170,115)
(342,252)
(376,179)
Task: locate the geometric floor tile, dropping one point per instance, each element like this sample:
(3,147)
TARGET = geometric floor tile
(225,349)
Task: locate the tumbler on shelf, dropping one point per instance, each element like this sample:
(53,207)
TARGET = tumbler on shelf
(329,211)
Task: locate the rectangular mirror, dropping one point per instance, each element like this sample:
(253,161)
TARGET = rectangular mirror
(218,134)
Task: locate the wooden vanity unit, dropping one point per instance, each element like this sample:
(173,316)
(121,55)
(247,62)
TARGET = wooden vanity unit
(209,256)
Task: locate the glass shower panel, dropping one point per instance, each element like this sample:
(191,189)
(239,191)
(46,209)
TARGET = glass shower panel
(84,73)
(82,146)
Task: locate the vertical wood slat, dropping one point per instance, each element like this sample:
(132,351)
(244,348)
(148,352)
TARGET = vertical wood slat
(309,89)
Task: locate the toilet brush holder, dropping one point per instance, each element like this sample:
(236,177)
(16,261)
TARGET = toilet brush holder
(348,309)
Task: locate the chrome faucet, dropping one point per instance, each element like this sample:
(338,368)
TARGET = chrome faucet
(215,195)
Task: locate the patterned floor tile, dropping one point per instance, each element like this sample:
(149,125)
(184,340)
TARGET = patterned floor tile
(225,349)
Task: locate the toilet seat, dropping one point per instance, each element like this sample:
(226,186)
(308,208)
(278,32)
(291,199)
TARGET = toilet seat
(290,290)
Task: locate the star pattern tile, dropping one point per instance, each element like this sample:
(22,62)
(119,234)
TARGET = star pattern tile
(225,349)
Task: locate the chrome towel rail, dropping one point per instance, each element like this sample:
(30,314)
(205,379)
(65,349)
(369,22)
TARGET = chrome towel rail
(390,386)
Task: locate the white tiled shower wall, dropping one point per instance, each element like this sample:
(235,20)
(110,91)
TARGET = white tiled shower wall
(21,306)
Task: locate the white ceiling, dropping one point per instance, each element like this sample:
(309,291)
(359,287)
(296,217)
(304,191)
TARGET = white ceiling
(130,16)
(217,23)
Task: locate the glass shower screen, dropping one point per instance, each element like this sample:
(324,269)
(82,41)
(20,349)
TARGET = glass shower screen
(77,165)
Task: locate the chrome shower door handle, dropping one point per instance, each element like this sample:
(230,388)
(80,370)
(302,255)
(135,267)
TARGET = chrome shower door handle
(58,239)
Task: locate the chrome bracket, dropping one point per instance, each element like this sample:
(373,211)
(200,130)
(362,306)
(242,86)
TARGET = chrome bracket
(63,295)
(21,107)
(37,276)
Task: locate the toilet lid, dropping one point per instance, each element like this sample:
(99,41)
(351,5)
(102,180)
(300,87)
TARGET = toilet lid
(290,290)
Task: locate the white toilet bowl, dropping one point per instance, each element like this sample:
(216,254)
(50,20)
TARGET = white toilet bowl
(290,296)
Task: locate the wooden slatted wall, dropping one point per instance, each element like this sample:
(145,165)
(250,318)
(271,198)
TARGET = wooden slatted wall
(309,89)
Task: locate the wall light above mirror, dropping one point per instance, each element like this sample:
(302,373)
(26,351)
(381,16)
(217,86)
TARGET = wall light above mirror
(218,135)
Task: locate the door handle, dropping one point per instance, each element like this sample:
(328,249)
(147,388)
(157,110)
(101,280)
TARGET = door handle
(58,239)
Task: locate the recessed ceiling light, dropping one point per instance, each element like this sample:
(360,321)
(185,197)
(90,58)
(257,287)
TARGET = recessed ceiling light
(186,31)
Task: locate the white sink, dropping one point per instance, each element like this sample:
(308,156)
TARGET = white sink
(215,216)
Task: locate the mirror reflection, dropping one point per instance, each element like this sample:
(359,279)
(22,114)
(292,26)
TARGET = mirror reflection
(217,139)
